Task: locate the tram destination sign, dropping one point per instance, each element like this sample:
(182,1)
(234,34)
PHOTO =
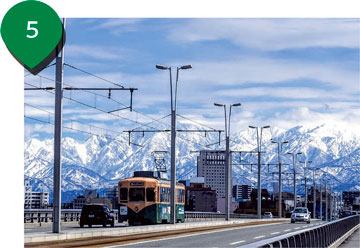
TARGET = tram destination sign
(137,184)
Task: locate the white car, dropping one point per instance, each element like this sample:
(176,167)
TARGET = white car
(268,215)
(300,214)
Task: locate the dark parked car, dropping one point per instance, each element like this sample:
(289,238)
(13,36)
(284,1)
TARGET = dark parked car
(96,214)
(345,213)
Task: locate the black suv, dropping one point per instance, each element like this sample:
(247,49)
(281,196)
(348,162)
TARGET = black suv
(96,214)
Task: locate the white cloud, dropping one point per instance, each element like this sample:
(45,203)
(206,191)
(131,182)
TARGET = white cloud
(267,70)
(118,25)
(272,34)
(97,52)
(286,92)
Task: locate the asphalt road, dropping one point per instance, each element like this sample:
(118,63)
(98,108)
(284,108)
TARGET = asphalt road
(225,238)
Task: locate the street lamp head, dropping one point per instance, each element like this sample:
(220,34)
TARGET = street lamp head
(266,127)
(252,127)
(299,153)
(236,104)
(162,67)
(285,142)
(273,141)
(218,104)
(289,153)
(309,162)
(185,67)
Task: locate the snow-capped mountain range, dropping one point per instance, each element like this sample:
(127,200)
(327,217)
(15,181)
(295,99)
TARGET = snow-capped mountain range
(101,162)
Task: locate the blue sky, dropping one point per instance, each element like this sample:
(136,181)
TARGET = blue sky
(285,72)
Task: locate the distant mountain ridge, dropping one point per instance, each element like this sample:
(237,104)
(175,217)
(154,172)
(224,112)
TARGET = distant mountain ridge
(100,162)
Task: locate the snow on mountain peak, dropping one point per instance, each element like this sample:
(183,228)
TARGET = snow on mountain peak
(101,162)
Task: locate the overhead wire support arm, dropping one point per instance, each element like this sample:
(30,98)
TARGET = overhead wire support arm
(168,130)
(92,88)
(86,88)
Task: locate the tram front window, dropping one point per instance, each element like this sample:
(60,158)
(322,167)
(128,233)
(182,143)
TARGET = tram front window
(150,195)
(123,194)
(136,194)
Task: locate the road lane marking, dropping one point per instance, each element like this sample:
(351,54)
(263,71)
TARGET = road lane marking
(259,237)
(237,242)
(190,235)
(274,233)
(287,230)
(297,228)
(304,226)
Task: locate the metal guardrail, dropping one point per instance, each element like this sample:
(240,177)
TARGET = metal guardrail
(213,215)
(68,215)
(320,236)
(45,215)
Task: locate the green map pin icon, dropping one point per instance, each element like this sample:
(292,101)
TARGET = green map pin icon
(33,33)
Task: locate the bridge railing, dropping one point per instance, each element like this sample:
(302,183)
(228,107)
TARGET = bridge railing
(68,215)
(45,215)
(320,236)
(199,216)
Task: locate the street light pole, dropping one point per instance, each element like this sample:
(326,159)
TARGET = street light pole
(259,167)
(326,202)
(279,160)
(57,139)
(228,167)
(321,209)
(294,158)
(173,138)
(306,189)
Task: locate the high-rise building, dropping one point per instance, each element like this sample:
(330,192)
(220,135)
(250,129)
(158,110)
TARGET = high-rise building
(113,195)
(33,199)
(349,197)
(198,198)
(211,166)
(90,197)
(242,191)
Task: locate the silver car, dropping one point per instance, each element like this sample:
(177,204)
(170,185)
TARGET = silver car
(300,214)
(268,215)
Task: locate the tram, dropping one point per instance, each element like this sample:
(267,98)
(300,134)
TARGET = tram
(145,199)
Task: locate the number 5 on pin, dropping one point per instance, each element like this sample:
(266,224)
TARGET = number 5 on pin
(33,33)
(32,28)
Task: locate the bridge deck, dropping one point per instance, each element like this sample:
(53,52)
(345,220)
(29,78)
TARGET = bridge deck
(42,234)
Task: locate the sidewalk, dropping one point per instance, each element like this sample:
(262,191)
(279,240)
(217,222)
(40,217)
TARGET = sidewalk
(352,241)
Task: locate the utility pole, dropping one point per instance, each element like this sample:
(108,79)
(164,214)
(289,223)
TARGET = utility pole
(327,202)
(314,191)
(279,160)
(305,177)
(173,137)
(294,168)
(228,168)
(331,204)
(57,138)
(321,213)
(259,167)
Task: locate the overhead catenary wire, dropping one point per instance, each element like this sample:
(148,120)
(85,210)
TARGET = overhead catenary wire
(198,123)
(42,69)
(97,108)
(72,120)
(87,105)
(154,120)
(93,75)
(118,115)
(81,131)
